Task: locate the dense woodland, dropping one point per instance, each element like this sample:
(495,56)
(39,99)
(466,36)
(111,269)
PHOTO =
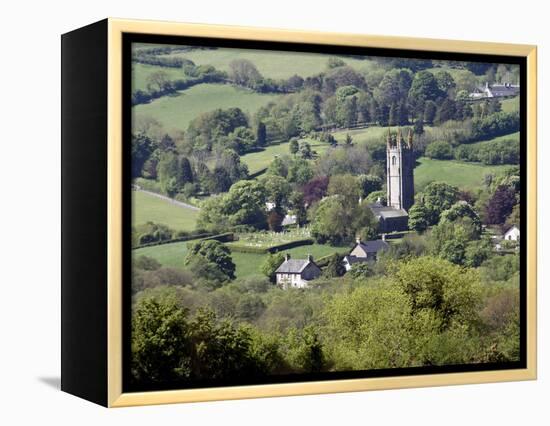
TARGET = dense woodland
(440,295)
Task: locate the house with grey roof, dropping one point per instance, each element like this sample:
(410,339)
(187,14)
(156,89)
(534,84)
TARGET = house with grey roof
(364,251)
(297,273)
(505,90)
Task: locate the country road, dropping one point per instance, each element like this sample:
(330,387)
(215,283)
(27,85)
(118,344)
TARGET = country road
(164,197)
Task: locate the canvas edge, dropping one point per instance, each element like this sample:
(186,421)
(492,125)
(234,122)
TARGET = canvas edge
(116,28)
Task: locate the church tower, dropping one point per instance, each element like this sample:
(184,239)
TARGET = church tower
(400,180)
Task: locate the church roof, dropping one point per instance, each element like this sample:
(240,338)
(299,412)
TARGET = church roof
(386,212)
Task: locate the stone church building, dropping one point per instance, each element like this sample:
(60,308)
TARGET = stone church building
(399,184)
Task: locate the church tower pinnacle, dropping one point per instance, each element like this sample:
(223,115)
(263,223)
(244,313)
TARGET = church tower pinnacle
(400,165)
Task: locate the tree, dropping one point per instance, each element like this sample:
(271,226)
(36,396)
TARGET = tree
(142,147)
(293,146)
(244,204)
(430,110)
(500,205)
(335,267)
(459,211)
(333,222)
(277,190)
(445,81)
(298,207)
(275,220)
(393,119)
(261,134)
(169,174)
(347,187)
(270,265)
(440,150)
(315,189)
(157,82)
(348,141)
(220,181)
(305,150)
(418,126)
(418,217)
(212,251)
(436,198)
(300,171)
(244,73)
(278,167)
(368,184)
(447,111)
(186,171)
(160,332)
(448,291)
(424,88)
(334,62)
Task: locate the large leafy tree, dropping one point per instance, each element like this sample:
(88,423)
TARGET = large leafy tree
(244,204)
(160,332)
(142,147)
(436,198)
(500,205)
(211,251)
(270,265)
(337,223)
(424,88)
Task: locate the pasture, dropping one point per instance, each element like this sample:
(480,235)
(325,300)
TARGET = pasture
(247,264)
(511,104)
(176,111)
(468,176)
(140,72)
(271,64)
(166,254)
(148,208)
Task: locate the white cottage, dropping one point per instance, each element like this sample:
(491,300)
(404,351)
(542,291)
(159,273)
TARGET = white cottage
(512,234)
(297,272)
(364,251)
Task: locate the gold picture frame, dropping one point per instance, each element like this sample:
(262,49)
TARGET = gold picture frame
(116,28)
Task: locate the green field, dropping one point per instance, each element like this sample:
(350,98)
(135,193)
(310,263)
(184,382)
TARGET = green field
(514,136)
(247,264)
(509,105)
(464,175)
(167,254)
(175,112)
(272,64)
(148,208)
(261,159)
(140,72)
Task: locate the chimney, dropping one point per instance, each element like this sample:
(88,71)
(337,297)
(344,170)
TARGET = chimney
(383,237)
(310,258)
(287,257)
(358,240)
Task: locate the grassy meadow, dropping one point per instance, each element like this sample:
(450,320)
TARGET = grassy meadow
(140,72)
(467,176)
(272,64)
(247,264)
(148,208)
(175,112)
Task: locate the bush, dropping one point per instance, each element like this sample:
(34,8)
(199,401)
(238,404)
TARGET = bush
(439,150)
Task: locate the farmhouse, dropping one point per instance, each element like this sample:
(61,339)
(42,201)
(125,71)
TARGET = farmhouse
(364,251)
(505,90)
(512,234)
(399,185)
(297,272)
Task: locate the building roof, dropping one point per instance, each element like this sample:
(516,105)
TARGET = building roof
(293,266)
(499,90)
(386,212)
(354,259)
(373,246)
(512,229)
